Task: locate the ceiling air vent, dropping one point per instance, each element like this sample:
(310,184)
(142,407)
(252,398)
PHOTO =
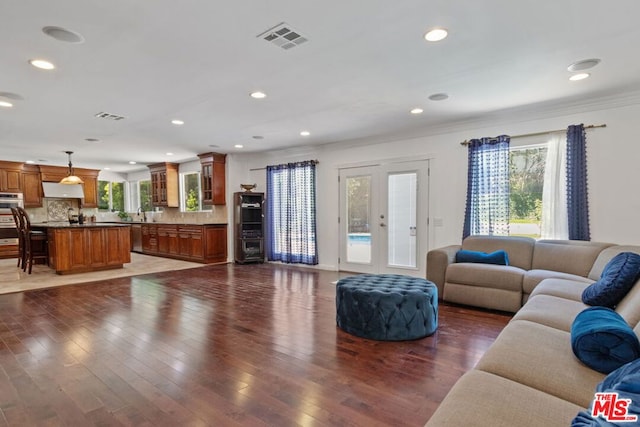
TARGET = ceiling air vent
(108,116)
(283,36)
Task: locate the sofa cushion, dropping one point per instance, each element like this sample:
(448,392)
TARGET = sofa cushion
(485,276)
(562,288)
(519,249)
(540,357)
(602,340)
(533,277)
(618,277)
(481,398)
(567,256)
(552,311)
(625,382)
(628,308)
(498,257)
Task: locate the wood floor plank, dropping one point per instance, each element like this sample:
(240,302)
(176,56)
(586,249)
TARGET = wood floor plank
(224,345)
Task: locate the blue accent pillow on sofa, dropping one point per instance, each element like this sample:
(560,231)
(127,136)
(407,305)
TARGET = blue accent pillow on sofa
(498,257)
(626,382)
(616,280)
(603,340)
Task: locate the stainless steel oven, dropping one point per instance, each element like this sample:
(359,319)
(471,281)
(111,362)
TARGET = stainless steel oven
(8,232)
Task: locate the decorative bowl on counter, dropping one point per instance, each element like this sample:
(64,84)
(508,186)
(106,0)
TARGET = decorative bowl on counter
(248,187)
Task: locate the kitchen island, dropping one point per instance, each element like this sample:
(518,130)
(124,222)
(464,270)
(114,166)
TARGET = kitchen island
(79,248)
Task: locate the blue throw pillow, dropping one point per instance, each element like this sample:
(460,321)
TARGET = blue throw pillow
(617,279)
(498,257)
(603,340)
(625,381)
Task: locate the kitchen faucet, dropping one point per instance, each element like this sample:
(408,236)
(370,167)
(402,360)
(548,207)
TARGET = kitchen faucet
(144,215)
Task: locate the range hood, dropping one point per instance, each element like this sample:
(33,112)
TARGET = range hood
(62,191)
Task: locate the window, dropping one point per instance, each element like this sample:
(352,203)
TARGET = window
(526,180)
(191,200)
(111,196)
(144,192)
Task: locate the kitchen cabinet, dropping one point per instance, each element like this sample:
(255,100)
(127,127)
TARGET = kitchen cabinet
(149,239)
(164,185)
(205,243)
(31,186)
(89,247)
(213,172)
(11,177)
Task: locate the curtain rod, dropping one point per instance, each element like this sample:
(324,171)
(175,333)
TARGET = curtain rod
(261,169)
(465,142)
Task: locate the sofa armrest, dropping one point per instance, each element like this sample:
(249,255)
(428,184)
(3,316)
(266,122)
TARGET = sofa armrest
(437,262)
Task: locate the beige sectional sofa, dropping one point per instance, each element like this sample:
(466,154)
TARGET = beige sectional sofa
(507,288)
(530,376)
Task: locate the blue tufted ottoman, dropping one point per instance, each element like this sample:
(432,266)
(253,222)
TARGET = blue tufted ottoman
(387,307)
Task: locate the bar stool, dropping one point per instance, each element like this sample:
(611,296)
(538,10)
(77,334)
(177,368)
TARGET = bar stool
(35,242)
(17,219)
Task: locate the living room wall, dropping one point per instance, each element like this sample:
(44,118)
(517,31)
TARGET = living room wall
(613,153)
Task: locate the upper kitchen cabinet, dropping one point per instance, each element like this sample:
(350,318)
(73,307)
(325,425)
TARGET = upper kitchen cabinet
(89,176)
(31,186)
(164,185)
(11,177)
(213,178)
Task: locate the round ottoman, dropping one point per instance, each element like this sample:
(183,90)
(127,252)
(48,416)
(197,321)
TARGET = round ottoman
(387,307)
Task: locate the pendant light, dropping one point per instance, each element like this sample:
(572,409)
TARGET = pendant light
(71,178)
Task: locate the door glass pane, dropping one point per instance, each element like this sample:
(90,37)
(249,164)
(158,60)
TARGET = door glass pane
(401,221)
(358,219)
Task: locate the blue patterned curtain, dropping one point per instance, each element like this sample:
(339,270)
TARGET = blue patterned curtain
(577,194)
(487,210)
(291,213)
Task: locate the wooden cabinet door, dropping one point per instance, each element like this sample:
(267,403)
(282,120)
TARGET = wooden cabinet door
(32,189)
(215,244)
(149,238)
(10,179)
(96,237)
(90,188)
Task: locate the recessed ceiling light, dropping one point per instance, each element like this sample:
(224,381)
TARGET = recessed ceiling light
(305,133)
(177,122)
(214,146)
(258,137)
(132,162)
(30,162)
(169,154)
(417,111)
(579,76)
(258,95)
(5,104)
(439,97)
(239,146)
(585,64)
(436,34)
(92,139)
(63,35)
(107,169)
(42,64)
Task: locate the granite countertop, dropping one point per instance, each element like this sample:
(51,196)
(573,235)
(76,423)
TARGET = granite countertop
(162,223)
(65,224)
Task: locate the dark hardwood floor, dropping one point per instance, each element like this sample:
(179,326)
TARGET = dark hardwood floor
(220,345)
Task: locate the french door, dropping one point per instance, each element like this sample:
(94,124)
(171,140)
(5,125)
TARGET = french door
(383,218)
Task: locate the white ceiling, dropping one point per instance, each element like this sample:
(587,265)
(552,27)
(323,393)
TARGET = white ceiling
(365,66)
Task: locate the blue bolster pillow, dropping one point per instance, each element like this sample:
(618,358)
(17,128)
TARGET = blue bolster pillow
(603,340)
(498,257)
